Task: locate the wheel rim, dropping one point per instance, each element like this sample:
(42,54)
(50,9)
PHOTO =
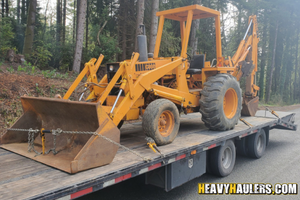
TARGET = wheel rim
(166,123)
(260,144)
(227,158)
(230,103)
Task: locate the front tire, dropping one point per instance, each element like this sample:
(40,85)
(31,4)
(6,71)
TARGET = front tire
(221,102)
(161,121)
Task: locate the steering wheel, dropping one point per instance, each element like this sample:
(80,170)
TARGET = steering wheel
(189,56)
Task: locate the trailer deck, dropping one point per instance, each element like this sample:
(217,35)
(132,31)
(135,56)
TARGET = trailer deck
(22,178)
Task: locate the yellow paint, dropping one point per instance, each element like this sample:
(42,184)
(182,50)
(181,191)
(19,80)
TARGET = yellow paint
(90,70)
(165,77)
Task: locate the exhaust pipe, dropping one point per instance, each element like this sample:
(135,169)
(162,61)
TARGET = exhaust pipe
(142,45)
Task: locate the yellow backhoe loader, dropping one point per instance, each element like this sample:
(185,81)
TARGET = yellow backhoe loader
(81,134)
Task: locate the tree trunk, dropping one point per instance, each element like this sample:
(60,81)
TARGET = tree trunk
(195,27)
(278,59)
(131,6)
(81,13)
(296,93)
(23,14)
(3,10)
(87,27)
(29,34)
(58,34)
(139,20)
(154,24)
(27,6)
(223,34)
(239,22)
(74,21)
(273,64)
(19,29)
(45,24)
(18,11)
(124,28)
(263,63)
(285,68)
(7,8)
(64,22)
(58,21)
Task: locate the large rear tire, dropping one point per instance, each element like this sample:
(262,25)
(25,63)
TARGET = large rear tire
(221,102)
(161,121)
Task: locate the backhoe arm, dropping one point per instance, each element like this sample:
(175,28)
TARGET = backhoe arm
(245,64)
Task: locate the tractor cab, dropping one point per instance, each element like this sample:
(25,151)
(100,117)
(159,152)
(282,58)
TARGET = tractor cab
(185,16)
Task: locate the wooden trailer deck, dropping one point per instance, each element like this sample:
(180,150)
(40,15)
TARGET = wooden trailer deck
(22,178)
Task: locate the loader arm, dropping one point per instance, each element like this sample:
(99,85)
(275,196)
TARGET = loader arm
(145,83)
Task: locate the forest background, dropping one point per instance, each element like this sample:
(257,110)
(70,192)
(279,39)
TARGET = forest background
(64,34)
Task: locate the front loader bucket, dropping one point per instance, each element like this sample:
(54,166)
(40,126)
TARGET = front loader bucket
(250,106)
(76,151)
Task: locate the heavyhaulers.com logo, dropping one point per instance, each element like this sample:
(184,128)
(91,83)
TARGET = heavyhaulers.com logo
(248,188)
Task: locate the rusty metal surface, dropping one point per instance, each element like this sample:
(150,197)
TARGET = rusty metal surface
(250,106)
(76,152)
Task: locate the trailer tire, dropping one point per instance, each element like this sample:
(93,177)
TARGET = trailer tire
(257,144)
(161,121)
(222,159)
(221,102)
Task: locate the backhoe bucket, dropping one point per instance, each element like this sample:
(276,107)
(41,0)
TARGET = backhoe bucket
(76,151)
(250,106)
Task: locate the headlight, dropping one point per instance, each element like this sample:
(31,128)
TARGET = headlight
(111,68)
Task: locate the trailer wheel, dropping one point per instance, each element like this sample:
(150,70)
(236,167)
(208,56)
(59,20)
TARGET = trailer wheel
(241,147)
(221,102)
(223,159)
(161,121)
(257,144)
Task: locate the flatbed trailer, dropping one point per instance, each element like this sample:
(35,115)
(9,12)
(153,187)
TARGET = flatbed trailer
(181,161)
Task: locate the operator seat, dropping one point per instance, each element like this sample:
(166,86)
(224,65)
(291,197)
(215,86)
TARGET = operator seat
(196,64)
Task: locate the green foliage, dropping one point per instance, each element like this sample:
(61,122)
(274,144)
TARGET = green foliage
(108,47)
(277,99)
(10,69)
(52,55)
(49,73)
(54,74)
(170,44)
(27,64)
(53,90)
(38,90)
(32,69)
(67,57)
(41,56)
(106,44)
(6,36)
(22,69)
(28,68)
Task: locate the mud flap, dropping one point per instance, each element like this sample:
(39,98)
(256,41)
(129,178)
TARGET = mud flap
(250,106)
(76,152)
